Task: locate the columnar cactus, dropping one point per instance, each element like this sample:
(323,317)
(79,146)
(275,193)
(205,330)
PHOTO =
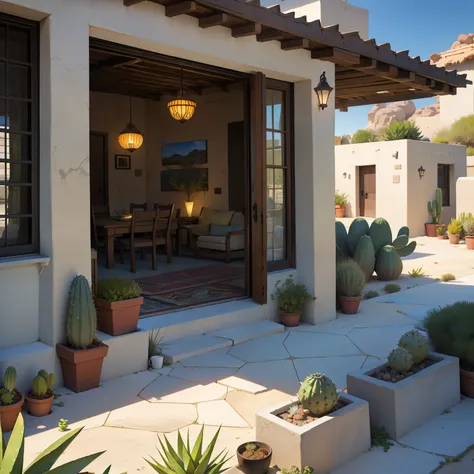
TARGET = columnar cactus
(435,206)
(81,316)
(9,379)
(39,387)
(318,394)
(49,379)
(400,360)
(416,344)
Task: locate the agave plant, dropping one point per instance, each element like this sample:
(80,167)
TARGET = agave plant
(402,131)
(11,458)
(187,460)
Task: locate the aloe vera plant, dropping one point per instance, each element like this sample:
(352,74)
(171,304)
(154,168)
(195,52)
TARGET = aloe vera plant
(11,458)
(187,460)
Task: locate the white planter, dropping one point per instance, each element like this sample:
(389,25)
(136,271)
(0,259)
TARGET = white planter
(156,362)
(403,406)
(324,444)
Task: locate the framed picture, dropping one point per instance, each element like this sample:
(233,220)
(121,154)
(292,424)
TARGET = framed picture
(123,162)
(184,153)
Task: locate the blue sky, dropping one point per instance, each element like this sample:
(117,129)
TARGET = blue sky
(169,149)
(422,26)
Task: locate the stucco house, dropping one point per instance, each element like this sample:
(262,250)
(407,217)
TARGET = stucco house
(75,72)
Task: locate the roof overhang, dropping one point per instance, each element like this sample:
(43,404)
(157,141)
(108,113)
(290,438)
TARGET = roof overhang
(366,73)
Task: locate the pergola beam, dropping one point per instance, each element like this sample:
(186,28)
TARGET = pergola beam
(182,8)
(296,43)
(270,35)
(218,19)
(249,29)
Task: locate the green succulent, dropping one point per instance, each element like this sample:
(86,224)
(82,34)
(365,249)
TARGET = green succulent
(292,297)
(341,198)
(318,394)
(350,279)
(187,460)
(435,206)
(455,227)
(402,131)
(118,289)
(11,458)
(400,360)
(416,344)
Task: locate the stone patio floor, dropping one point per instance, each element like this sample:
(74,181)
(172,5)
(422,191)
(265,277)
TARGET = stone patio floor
(229,386)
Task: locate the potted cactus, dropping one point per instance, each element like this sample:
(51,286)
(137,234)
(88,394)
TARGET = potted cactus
(307,430)
(434,208)
(373,248)
(11,400)
(454,231)
(399,391)
(350,281)
(118,303)
(441,232)
(39,400)
(468,228)
(341,201)
(82,356)
(254,457)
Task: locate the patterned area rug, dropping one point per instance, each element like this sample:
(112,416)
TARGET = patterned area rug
(187,288)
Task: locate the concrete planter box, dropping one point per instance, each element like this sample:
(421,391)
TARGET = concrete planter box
(324,444)
(403,406)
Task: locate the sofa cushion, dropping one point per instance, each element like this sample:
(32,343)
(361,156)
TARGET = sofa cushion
(210,216)
(224,229)
(215,242)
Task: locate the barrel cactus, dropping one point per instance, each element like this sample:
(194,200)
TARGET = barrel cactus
(39,387)
(318,394)
(416,344)
(400,360)
(389,265)
(81,316)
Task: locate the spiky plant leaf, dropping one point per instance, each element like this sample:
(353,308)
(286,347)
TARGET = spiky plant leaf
(203,464)
(12,462)
(174,460)
(197,449)
(158,467)
(76,466)
(107,471)
(188,463)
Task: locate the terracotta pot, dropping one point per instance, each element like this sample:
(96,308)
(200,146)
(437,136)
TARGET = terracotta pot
(119,317)
(454,239)
(290,320)
(339,211)
(469,241)
(254,466)
(350,304)
(442,237)
(430,230)
(9,413)
(81,367)
(467,383)
(39,407)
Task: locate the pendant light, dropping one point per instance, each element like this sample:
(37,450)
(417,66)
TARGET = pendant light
(181,109)
(323,91)
(130,138)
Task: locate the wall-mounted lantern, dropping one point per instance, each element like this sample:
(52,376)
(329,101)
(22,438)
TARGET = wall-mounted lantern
(323,91)
(421,171)
(344,174)
(395,155)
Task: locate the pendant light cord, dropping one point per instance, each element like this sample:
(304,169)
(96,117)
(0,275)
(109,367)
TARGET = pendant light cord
(130,108)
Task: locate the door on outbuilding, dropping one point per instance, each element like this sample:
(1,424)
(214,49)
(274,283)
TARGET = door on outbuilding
(367,191)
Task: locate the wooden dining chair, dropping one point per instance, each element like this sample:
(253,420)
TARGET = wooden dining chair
(165,216)
(138,239)
(138,207)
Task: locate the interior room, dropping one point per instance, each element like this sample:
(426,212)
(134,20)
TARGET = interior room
(176,171)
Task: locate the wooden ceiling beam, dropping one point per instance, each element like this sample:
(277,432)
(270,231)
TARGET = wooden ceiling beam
(182,8)
(113,63)
(246,30)
(219,19)
(294,43)
(382,98)
(336,55)
(268,34)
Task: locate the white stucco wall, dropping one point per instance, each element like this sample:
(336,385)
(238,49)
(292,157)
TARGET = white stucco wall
(465,195)
(64,137)
(403,203)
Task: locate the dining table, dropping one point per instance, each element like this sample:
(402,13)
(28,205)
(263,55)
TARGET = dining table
(112,227)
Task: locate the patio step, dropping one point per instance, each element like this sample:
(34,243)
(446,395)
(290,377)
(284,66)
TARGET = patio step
(202,344)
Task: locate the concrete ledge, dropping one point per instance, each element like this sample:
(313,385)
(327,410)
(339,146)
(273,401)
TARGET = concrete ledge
(27,360)
(23,261)
(324,444)
(403,406)
(127,354)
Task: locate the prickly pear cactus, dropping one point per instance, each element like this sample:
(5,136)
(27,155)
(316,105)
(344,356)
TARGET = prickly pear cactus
(389,265)
(400,360)
(39,386)
(365,256)
(9,379)
(380,233)
(358,228)
(341,239)
(318,394)
(416,344)
(81,316)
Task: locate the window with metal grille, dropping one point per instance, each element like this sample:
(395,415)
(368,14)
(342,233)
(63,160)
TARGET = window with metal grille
(18,136)
(444,175)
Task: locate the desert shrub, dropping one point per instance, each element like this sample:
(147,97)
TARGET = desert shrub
(462,131)
(451,331)
(341,198)
(402,131)
(391,288)
(368,295)
(364,136)
(350,279)
(118,289)
(470,151)
(417,272)
(443,136)
(468,227)
(455,227)
(448,277)
(292,297)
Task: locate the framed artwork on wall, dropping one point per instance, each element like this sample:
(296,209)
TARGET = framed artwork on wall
(184,153)
(123,162)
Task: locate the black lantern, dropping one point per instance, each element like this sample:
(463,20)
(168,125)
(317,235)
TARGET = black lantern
(130,138)
(323,91)
(421,171)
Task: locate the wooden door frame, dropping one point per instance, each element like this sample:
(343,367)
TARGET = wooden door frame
(360,178)
(105,135)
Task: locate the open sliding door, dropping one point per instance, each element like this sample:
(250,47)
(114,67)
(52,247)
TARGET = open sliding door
(258,190)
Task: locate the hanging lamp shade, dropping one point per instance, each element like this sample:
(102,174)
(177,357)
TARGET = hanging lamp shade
(181,109)
(130,138)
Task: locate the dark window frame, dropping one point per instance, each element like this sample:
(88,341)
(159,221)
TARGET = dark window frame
(446,188)
(33,245)
(288,167)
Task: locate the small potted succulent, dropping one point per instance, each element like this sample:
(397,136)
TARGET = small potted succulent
(254,457)
(292,298)
(11,400)
(451,331)
(118,303)
(441,232)
(454,231)
(82,356)
(341,201)
(468,228)
(434,208)
(39,400)
(350,281)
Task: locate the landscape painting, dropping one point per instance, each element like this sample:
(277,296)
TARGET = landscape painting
(189,181)
(184,153)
